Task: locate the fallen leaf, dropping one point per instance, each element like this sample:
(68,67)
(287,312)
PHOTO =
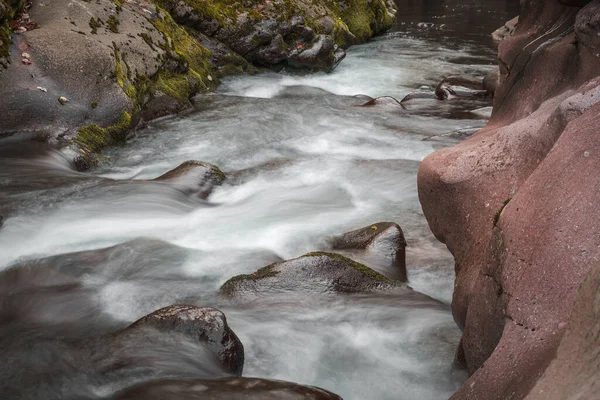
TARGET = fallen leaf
(25,55)
(63,100)
(26,61)
(43,89)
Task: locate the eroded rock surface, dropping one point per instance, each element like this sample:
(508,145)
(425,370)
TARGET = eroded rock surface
(515,203)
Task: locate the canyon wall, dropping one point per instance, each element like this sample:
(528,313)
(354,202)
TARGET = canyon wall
(517,205)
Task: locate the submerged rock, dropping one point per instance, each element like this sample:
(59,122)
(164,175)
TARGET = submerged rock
(202,324)
(458,86)
(316,273)
(383,101)
(224,389)
(194,176)
(381,246)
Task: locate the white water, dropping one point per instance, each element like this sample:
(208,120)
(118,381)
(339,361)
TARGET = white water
(316,165)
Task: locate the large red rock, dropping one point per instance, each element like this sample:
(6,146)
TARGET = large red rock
(516,204)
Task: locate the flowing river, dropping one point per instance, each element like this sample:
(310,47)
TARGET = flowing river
(305,162)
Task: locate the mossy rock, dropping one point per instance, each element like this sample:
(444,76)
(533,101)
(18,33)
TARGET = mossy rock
(194,177)
(316,273)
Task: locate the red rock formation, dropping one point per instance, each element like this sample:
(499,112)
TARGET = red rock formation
(516,204)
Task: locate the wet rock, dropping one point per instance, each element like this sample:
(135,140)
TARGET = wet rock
(225,389)
(1,221)
(194,176)
(318,56)
(202,324)
(507,30)
(298,34)
(383,101)
(317,273)
(420,94)
(458,86)
(381,246)
(511,188)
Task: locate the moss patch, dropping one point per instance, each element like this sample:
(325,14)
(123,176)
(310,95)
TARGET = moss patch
(363,269)
(113,24)
(93,138)
(264,272)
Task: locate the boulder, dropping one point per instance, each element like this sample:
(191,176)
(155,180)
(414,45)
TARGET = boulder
(316,273)
(299,34)
(381,246)
(194,177)
(224,389)
(202,324)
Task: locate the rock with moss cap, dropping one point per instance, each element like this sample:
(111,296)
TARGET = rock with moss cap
(224,389)
(194,177)
(381,246)
(296,33)
(315,273)
(113,59)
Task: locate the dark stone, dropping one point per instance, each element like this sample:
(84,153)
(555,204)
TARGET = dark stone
(316,273)
(384,101)
(381,246)
(458,86)
(204,325)
(194,176)
(224,389)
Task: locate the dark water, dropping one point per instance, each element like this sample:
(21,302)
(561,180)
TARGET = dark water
(305,163)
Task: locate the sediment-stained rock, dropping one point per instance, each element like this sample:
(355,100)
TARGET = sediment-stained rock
(515,203)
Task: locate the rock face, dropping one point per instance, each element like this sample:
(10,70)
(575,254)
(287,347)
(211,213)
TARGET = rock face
(225,389)
(205,325)
(515,203)
(317,273)
(381,246)
(89,72)
(574,373)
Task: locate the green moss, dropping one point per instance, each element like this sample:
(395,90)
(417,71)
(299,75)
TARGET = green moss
(499,212)
(180,46)
(363,269)
(113,24)
(264,272)
(118,72)
(94,105)
(93,138)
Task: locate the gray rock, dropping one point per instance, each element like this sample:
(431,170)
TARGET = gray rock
(315,273)
(224,389)
(194,176)
(203,324)
(381,246)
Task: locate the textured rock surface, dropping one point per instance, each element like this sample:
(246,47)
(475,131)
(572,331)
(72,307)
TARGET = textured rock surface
(381,246)
(225,389)
(89,72)
(574,373)
(515,203)
(317,273)
(204,324)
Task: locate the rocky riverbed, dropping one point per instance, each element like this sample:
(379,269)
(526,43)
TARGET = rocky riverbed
(271,240)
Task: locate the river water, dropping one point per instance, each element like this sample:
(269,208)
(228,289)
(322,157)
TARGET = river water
(305,162)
